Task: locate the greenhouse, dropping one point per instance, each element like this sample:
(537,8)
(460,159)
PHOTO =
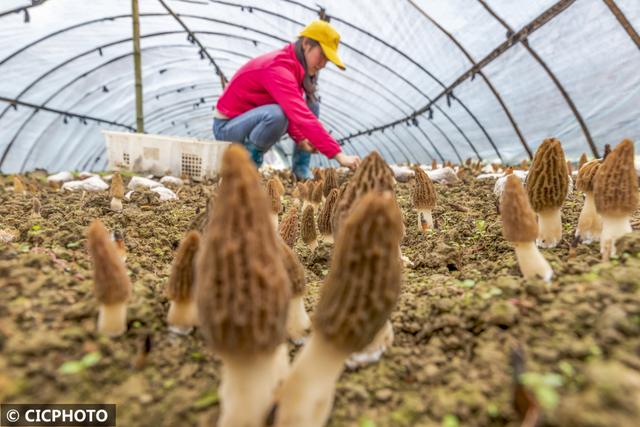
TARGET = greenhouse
(308,213)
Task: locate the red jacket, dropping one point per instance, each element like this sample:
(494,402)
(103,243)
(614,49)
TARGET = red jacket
(276,78)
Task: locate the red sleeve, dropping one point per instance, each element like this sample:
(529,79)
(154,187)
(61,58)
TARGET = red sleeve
(283,87)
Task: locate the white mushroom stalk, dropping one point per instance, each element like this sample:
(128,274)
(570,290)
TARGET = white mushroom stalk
(247,384)
(613,227)
(532,263)
(182,316)
(550,223)
(112,319)
(589,222)
(298,322)
(425,220)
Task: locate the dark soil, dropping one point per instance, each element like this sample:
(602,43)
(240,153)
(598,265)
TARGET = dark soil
(463,308)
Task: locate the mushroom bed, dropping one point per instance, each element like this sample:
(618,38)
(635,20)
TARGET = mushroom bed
(463,307)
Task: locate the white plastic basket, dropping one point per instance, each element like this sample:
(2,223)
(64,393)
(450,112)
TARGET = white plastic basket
(163,155)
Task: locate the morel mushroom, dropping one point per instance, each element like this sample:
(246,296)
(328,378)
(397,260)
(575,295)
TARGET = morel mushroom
(242,294)
(325,216)
(278,185)
(372,174)
(616,195)
(355,303)
(308,228)
(434,164)
(18,186)
(589,221)
(117,192)
(520,228)
(36,207)
(183,313)
(111,282)
(424,199)
(298,322)
(275,200)
(582,161)
(289,227)
(330,181)
(547,187)
(317,194)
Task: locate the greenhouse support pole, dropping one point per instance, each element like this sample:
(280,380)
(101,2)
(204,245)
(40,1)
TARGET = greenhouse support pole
(137,64)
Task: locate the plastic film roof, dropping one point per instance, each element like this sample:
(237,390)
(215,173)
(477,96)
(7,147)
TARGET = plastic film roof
(425,79)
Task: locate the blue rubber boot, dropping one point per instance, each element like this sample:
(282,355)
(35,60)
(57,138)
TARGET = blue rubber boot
(254,152)
(300,163)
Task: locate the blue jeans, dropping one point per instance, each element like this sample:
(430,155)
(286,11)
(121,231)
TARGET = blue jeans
(259,129)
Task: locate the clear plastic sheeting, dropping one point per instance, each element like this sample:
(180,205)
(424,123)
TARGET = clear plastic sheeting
(73,65)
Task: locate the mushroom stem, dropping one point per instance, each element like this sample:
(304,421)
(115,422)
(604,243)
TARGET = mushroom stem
(373,352)
(328,238)
(589,222)
(274,220)
(550,222)
(182,316)
(247,386)
(112,319)
(298,322)
(613,227)
(531,261)
(306,396)
(425,220)
(116,204)
(313,245)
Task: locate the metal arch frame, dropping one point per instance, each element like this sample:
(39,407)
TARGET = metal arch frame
(122,41)
(496,94)
(623,21)
(415,138)
(521,35)
(383,66)
(156,15)
(552,76)
(34,3)
(407,57)
(69,84)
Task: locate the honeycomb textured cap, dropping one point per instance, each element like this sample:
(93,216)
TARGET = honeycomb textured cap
(181,280)
(424,193)
(117,186)
(518,219)
(373,174)
(317,194)
(274,196)
(326,213)
(583,160)
(616,182)
(586,175)
(308,225)
(295,269)
(242,287)
(364,279)
(330,181)
(547,180)
(111,282)
(289,227)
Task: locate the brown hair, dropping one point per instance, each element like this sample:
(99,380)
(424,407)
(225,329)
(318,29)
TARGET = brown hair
(309,83)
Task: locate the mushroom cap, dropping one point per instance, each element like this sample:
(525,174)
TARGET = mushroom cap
(326,213)
(373,174)
(278,184)
(363,283)
(518,219)
(547,180)
(434,164)
(111,282)
(117,186)
(330,181)
(424,193)
(274,196)
(36,206)
(311,185)
(615,187)
(308,224)
(583,159)
(242,287)
(289,227)
(586,175)
(295,269)
(317,194)
(180,285)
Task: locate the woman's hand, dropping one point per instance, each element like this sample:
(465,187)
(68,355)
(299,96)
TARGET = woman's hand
(351,162)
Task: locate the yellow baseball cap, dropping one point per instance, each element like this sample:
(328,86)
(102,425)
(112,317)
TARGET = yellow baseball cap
(327,36)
